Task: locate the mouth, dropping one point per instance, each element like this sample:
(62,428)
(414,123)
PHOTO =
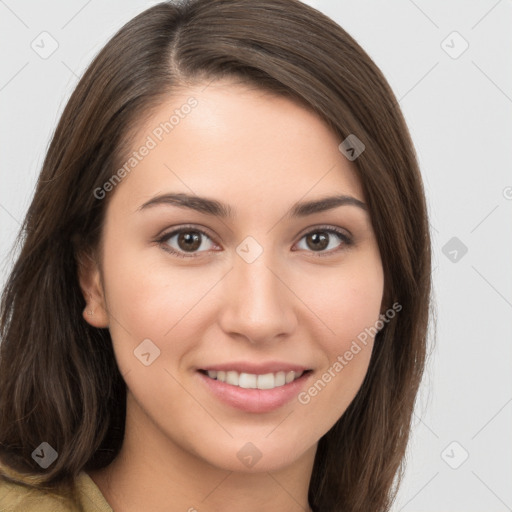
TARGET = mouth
(254,392)
(245,380)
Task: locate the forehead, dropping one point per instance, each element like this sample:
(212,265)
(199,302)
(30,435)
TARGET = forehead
(225,139)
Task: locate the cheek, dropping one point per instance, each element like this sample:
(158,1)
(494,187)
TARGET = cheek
(346,300)
(347,306)
(150,300)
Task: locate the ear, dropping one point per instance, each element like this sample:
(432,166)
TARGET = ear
(89,277)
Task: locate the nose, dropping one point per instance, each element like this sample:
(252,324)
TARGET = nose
(257,303)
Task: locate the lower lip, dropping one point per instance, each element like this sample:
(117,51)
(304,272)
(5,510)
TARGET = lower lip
(255,400)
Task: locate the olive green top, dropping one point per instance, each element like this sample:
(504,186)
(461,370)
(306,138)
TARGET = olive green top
(21,498)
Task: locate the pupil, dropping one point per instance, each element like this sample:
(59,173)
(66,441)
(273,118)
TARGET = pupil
(192,241)
(319,241)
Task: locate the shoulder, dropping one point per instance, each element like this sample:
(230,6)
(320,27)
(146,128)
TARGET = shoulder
(16,497)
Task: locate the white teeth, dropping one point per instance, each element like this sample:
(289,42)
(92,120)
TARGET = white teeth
(248,381)
(266,381)
(252,381)
(280,379)
(232,378)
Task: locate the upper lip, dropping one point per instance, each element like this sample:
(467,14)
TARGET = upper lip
(256,368)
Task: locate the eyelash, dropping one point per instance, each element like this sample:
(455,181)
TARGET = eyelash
(347,241)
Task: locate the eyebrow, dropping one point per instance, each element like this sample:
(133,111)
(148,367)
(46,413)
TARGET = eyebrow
(222,210)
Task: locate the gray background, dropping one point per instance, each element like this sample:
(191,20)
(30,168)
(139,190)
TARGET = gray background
(458,107)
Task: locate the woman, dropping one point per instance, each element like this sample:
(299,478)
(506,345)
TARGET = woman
(222,296)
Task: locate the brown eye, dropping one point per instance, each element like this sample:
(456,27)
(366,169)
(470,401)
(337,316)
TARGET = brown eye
(323,241)
(185,242)
(317,241)
(188,241)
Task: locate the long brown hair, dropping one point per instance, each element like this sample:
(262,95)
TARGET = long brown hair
(59,382)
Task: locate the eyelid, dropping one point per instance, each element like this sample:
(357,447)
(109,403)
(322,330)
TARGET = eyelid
(326,227)
(172,230)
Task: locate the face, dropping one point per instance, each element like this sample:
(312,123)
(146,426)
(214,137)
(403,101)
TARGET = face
(247,285)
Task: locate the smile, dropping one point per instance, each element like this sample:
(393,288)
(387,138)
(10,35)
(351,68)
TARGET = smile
(253,381)
(268,389)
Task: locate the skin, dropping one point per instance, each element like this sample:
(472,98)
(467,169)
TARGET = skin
(261,153)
